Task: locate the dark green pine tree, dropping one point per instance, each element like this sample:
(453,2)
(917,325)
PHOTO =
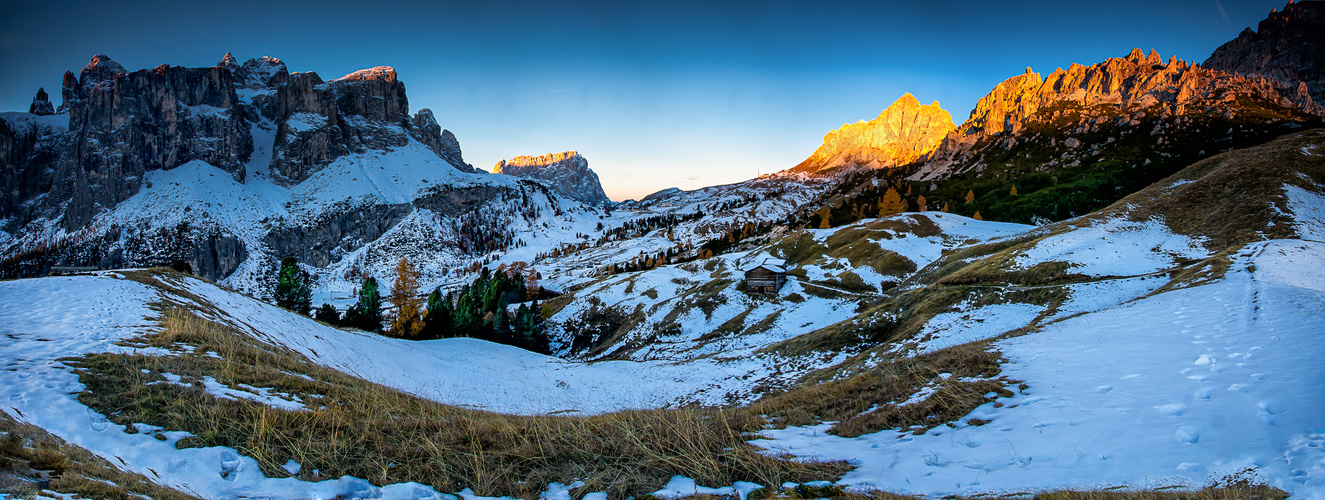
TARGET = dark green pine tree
(353,316)
(370,306)
(437,322)
(467,318)
(292,287)
(534,339)
(328,314)
(501,329)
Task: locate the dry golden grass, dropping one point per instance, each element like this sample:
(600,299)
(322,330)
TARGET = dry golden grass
(866,402)
(362,429)
(1228,196)
(358,428)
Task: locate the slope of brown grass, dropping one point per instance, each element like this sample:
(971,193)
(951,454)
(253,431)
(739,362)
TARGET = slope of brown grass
(362,429)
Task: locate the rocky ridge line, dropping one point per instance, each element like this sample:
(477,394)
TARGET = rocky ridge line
(122,124)
(1125,92)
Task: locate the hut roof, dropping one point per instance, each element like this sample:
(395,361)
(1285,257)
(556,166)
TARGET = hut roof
(769,263)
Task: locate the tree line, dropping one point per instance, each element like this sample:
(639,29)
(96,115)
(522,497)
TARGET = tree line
(481,309)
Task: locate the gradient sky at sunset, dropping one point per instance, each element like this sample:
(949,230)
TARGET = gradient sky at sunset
(654,95)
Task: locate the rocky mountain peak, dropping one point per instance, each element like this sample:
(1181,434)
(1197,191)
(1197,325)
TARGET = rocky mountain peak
(442,142)
(384,73)
(100,68)
(903,133)
(1138,101)
(567,173)
(228,62)
(263,72)
(1137,83)
(1287,47)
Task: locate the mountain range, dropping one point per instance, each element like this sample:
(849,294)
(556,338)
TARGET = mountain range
(1105,276)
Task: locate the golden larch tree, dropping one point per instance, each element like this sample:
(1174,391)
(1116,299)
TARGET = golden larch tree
(920,203)
(977,216)
(970,196)
(892,204)
(405,323)
(1014,190)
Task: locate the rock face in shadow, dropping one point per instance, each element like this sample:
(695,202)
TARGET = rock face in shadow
(115,128)
(1287,47)
(567,173)
(123,124)
(41,104)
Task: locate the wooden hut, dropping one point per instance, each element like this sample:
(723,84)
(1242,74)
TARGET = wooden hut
(766,276)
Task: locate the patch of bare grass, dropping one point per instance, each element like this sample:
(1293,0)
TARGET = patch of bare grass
(868,402)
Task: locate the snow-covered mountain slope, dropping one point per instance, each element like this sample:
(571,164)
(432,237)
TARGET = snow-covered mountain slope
(1154,348)
(336,174)
(673,312)
(50,320)
(53,318)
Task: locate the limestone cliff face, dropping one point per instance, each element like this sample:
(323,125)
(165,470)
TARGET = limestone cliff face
(567,173)
(1287,47)
(61,169)
(903,133)
(41,104)
(318,121)
(1120,92)
(122,124)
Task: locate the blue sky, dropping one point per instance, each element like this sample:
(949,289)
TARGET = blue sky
(654,95)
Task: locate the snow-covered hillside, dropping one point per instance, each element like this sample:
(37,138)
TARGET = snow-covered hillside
(1177,388)
(1126,382)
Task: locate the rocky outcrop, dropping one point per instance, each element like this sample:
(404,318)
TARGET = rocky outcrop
(450,150)
(123,124)
(1124,92)
(262,73)
(1288,47)
(29,150)
(318,244)
(442,142)
(567,173)
(41,104)
(319,121)
(60,172)
(902,134)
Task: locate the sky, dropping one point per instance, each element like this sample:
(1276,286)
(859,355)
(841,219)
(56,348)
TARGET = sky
(655,95)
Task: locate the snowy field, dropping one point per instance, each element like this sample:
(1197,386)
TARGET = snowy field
(1125,386)
(1178,388)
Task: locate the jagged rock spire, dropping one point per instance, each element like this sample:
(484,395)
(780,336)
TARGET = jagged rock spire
(41,104)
